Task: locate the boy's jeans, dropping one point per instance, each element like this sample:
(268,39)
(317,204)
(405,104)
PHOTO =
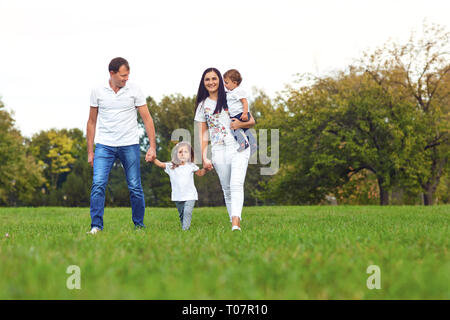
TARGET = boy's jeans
(243,136)
(104,158)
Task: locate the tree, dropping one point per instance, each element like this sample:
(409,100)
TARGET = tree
(57,152)
(19,173)
(420,71)
(338,127)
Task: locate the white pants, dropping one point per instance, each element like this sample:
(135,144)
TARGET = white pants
(231,167)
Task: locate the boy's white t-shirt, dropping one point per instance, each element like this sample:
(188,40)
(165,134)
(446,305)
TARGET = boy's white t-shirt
(234,97)
(182,181)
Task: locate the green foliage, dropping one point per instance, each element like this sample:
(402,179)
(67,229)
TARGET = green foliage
(19,173)
(419,72)
(62,156)
(339,126)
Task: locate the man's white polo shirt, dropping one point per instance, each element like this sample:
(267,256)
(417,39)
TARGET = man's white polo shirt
(117,114)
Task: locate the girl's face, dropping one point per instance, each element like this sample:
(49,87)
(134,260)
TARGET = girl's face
(183,154)
(211,82)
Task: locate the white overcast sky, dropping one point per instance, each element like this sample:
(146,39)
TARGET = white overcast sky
(53,52)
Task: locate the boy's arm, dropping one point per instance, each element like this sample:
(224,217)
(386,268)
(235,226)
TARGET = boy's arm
(160,164)
(200,172)
(245,111)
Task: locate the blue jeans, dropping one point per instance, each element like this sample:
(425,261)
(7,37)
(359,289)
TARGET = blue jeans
(104,158)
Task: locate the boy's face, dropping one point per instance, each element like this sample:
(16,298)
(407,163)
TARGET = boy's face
(230,85)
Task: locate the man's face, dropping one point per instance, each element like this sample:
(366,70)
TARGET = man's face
(120,78)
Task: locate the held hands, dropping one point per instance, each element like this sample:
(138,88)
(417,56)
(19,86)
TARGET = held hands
(151,155)
(207,164)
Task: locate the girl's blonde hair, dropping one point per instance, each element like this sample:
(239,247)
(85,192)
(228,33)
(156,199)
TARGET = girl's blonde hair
(175,161)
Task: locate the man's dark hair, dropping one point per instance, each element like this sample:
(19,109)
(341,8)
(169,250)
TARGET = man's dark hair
(116,63)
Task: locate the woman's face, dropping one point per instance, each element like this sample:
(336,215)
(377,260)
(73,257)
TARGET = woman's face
(211,82)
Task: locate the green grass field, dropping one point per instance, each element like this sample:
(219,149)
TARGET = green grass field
(319,252)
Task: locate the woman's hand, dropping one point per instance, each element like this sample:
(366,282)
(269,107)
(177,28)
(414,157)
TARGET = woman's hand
(207,164)
(237,124)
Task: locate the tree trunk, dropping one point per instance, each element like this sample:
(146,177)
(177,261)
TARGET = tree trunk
(384,194)
(430,186)
(428,198)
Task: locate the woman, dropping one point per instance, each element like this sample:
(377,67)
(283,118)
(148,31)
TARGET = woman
(231,166)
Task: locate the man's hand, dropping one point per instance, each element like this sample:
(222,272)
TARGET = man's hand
(151,155)
(91,158)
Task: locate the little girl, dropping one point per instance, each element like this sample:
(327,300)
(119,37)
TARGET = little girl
(181,172)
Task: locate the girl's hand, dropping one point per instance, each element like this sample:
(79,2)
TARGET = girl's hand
(207,164)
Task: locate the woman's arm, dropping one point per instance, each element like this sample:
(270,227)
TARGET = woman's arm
(204,143)
(160,164)
(236,124)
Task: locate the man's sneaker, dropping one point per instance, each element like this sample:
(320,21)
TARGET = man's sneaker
(235,228)
(94,230)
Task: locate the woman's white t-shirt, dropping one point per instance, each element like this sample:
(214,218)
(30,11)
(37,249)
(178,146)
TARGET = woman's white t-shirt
(182,181)
(218,124)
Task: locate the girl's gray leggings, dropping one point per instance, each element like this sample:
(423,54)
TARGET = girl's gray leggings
(185,212)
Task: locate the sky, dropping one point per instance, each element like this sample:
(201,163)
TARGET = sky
(54,52)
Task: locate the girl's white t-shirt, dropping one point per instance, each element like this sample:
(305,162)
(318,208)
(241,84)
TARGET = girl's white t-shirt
(218,124)
(182,181)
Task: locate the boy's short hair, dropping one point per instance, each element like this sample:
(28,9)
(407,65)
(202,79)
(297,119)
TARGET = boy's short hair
(233,75)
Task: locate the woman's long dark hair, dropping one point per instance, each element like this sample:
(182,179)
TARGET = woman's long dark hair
(203,93)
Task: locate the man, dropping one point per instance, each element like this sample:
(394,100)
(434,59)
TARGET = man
(113,106)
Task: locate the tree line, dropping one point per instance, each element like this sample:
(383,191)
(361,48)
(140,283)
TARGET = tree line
(374,133)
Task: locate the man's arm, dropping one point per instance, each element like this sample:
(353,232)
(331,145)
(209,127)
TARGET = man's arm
(150,129)
(90,134)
